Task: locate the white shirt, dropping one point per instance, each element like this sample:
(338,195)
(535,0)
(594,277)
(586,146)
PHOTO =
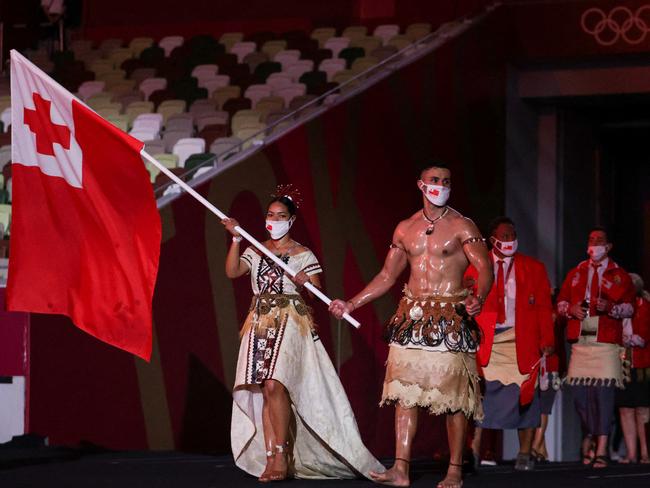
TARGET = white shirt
(601,270)
(509,289)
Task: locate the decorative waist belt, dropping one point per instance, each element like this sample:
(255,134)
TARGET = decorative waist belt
(433,321)
(264,303)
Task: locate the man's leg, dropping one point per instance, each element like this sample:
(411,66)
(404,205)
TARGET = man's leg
(525,440)
(456,431)
(406,422)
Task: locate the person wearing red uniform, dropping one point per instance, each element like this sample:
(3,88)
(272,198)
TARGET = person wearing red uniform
(510,352)
(595,298)
(634,400)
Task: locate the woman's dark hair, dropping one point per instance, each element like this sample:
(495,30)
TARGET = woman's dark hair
(287,202)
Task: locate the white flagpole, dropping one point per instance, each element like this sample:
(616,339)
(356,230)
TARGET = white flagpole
(242,232)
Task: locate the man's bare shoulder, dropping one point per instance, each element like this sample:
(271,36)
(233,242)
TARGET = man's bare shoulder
(403,226)
(464,226)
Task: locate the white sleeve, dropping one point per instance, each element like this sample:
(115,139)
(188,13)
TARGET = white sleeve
(311,265)
(248,256)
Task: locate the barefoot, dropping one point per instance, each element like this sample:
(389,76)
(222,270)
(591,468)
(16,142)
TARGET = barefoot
(391,477)
(454,478)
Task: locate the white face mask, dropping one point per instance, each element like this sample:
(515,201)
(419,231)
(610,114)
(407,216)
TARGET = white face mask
(436,194)
(278,228)
(597,252)
(507,248)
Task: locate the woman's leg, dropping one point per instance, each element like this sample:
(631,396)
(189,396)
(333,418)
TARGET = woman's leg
(641,417)
(269,437)
(277,399)
(539,442)
(628,424)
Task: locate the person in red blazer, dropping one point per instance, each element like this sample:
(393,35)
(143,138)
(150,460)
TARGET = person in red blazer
(511,348)
(595,298)
(634,400)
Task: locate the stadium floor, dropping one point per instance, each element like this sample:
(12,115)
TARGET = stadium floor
(60,467)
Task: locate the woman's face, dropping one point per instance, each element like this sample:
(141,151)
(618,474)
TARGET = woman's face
(277,211)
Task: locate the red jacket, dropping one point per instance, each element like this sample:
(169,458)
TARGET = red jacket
(533,313)
(616,287)
(641,327)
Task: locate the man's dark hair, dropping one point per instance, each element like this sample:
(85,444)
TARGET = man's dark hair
(497,222)
(432,163)
(599,228)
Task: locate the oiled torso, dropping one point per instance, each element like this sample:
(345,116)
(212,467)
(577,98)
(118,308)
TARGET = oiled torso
(437,261)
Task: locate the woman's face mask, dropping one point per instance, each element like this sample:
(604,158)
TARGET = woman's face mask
(279,228)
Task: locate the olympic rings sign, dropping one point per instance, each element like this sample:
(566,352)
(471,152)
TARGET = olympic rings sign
(620,23)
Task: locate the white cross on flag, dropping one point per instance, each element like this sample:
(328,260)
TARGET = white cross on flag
(85,231)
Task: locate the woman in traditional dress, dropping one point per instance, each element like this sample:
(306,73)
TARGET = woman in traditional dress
(290,416)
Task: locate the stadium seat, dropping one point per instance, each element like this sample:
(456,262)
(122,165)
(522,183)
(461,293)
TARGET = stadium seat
(139,44)
(211,132)
(170,138)
(150,85)
(136,108)
(217,117)
(336,45)
(269,104)
(287,57)
(185,147)
(400,42)
(417,31)
(386,32)
(299,68)
(254,59)
(256,92)
(144,134)
(168,43)
(241,49)
(89,88)
(352,53)
(332,66)
(212,84)
(322,34)
(271,48)
(354,32)
(368,43)
(171,107)
(289,92)
(245,118)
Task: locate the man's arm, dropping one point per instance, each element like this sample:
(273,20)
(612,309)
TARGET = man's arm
(396,261)
(477,254)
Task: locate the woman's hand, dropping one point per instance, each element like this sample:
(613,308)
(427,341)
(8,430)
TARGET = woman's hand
(300,279)
(230,225)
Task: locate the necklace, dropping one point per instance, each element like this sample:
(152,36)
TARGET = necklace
(433,222)
(280,254)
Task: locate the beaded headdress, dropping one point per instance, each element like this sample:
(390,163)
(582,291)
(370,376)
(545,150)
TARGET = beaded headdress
(288,191)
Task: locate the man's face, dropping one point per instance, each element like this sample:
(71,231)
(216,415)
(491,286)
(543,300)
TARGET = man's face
(436,176)
(597,238)
(505,232)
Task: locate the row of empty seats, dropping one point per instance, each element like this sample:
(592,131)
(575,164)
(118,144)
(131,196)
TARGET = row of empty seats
(207,97)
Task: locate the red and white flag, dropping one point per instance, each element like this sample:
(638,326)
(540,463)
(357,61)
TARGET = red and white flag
(85,231)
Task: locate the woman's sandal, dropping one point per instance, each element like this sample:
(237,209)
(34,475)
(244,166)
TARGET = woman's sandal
(600,462)
(538,456)
(264,477)
(281,475)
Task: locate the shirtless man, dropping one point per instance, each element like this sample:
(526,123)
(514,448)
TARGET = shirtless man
(433,339)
